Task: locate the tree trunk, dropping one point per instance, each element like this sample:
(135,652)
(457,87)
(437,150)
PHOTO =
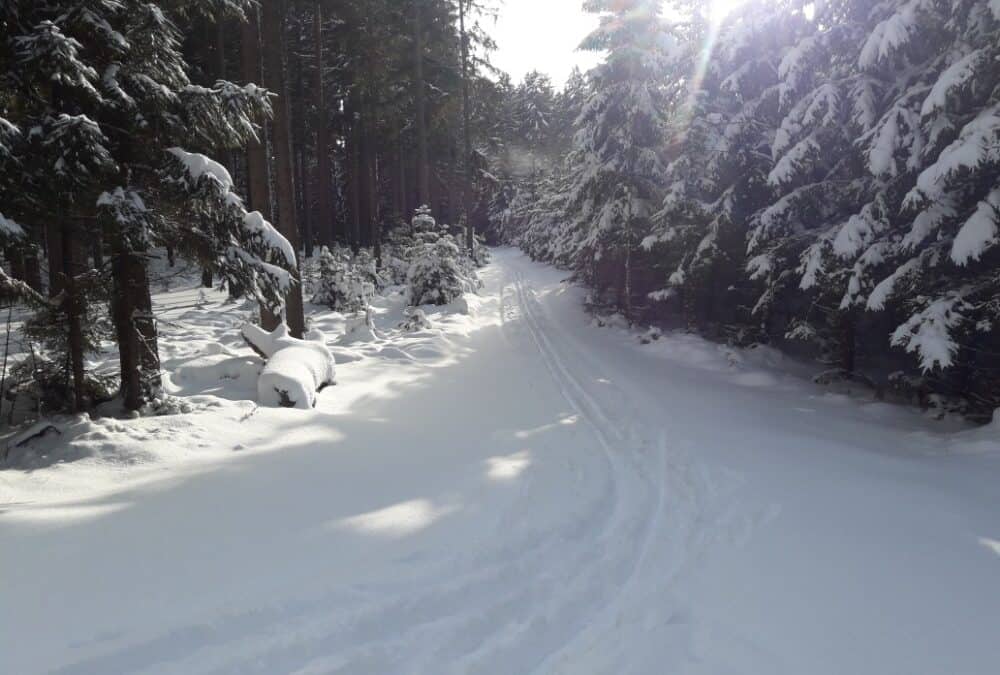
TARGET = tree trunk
(848,354)
(324,171)
(73,306)
(403,212)
(259,188)
(54,244)
(97,249)
(371,181)
(423,178)
(466,131)
(258,184)
(132,310)
(273,37)
(354,180)
(299,152)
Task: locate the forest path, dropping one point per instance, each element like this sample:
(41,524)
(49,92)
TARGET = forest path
(526,492)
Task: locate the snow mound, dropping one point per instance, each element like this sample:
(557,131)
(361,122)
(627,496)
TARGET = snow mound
(295,369)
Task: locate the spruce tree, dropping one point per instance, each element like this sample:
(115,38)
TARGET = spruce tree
(618,167)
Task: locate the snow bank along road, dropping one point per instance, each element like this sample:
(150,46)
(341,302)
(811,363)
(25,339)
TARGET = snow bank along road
(513,491)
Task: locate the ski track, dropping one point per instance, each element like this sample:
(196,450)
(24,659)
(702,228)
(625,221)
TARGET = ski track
(563,588)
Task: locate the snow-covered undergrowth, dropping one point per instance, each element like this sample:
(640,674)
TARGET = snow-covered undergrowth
(214,379)
(509,489)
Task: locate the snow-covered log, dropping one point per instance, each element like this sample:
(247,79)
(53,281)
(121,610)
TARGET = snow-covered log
(295,369)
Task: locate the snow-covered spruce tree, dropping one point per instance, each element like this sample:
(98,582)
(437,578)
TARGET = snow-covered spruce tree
(882,151)
(718,159)
(817,184)
(618,171)
(104,99)
(932,261)
(440,270)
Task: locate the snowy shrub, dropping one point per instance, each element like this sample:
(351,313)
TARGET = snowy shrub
(346,282)
(40,385)
(366,269)
(480,254)
(423,221)
(440,271)
(415,320)
(431,262)
(396,252)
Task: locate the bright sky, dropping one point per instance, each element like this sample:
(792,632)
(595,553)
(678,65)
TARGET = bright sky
(542,35)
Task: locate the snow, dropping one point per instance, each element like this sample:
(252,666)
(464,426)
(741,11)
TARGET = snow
(928,332)
(975,145)
(255,223)
(927,222)
(512,490)
(979,232)
(858,232)
(884,289)
(897,130)
(198,165)
(889,35)
(787,167)
(295,369)
(9,228)
(954,77)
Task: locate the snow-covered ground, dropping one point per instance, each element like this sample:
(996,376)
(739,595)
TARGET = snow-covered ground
(511,490)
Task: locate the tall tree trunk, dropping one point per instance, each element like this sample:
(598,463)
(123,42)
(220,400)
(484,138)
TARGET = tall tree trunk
(324,170)
(303,201)
(273,38)
(848,353)
(354,180)
(453,212)
(71,265)
(258,184)
(259,187)
(371,180)
(423,164)
(97,249)
(364,171)
(466,131)
(132,314)
(132,308)
(404,213)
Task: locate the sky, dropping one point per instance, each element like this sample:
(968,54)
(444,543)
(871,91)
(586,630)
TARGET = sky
(541,35)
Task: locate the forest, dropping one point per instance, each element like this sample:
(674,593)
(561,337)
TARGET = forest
(350,337)
(821,178)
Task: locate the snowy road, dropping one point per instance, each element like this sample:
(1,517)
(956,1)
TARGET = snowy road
(524,493)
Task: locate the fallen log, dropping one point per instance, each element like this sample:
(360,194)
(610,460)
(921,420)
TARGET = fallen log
(294,370)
